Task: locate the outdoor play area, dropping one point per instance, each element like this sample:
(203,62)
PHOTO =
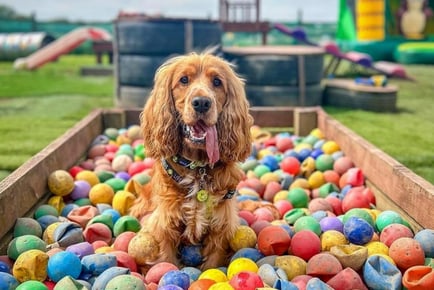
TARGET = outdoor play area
(341,171)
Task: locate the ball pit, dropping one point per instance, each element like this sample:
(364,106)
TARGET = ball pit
(316,226)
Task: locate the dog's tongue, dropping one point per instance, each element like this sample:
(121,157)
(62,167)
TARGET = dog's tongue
(212,149)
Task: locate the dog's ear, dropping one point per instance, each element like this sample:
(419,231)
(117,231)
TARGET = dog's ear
(235,121)
(159,118)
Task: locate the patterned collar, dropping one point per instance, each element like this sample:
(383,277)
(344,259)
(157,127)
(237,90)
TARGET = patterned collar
(190,165)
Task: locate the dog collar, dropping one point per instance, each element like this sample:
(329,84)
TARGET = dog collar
(202,194)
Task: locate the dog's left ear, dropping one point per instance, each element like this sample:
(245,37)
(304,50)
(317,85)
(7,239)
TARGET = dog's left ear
(235,121)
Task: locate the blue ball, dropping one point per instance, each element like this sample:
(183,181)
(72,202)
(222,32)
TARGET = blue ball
(304,153)
(191,255)
(315,153)
(63,264)
(47,220)
(271,162)
(358,231)
(4,267)
(68,208)
(7,281)
(250,253)
(113,213)
(426,240)
(175,277)
(193,272)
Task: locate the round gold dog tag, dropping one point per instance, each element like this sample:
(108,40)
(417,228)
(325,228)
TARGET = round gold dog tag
(202,195)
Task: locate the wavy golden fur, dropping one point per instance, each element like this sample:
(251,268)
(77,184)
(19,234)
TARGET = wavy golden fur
(198,111)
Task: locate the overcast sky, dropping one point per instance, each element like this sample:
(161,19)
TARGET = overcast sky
(106,10)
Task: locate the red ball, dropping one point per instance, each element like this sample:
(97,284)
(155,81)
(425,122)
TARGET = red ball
(284,143)
(111,148)
(136,167)
(342,165)
(248,216)
(271,188)
(74,170)
(290,165)
(336,204)
(273,240)
(393,232)
(246,280)
(355,199)
(263,213)
(149,162)
(123,240)
(305,244)
(283,206)
(369,194)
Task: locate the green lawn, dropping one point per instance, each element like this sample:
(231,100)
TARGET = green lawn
(37,107)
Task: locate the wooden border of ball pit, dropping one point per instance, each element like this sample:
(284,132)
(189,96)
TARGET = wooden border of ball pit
(396,187)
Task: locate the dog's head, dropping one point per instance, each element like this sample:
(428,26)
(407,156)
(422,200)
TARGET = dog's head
(197,107)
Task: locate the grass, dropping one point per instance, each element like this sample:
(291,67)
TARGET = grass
(37,107)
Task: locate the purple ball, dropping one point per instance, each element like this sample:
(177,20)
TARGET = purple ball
(81,249)
(175,278)
(81,190)
(123,175)
(331,223)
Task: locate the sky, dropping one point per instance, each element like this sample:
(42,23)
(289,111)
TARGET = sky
(107,10)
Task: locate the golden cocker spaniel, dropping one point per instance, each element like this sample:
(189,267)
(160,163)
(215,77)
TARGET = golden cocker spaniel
(196,125)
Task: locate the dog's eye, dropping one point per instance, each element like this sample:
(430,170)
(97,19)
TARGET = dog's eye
(184,80)
(217,82)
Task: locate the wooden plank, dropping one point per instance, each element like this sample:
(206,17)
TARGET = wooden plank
(305,120)
(411,192)
(273,116)
(24,187)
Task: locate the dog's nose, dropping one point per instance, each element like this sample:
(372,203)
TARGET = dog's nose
(201,104)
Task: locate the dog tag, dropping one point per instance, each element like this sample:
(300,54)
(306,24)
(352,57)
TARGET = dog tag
(202,195)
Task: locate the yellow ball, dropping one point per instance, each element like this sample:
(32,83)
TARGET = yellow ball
(317,133)
(292,265)
(144,248)
(245,237)
(134,132)
(300,182)
(60,182)
(31,265)
(241,264)
(104,250)
(264,152)
(330,147)
(214,274)
(101,193)
(316,179)
(88,176)
(221,286)
(48,235)
(376,247)
(280,195)
(268,177)
(57,202)
(122,201)
(302,146)
(332,238)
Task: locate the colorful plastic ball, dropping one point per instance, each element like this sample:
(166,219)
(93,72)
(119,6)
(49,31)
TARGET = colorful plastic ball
(305,244)
(7,281)
(377,247)
(202,284)
(221,286)
(126,223)
(273,240)
(45,209)
(298,198)
(332,238)
(60,182)
(393,232)
(307,223)
(290,165)
(175,277)
(27,226)
(379,273)
(261,169)
(249,253)
(101,193)
(386,218)
(324,162)
(102,280)
(215,275)
(114,214)
(292,265)
(191,255)
(293,215)
(418,278)
(283,206)
(116,183)
(31,285)
(323,265)
(352,256)
(241,264)
(24,243)
(244,237)
(95,264)
(31,265)
(361,213)
(407,252)
(284,143)
(88,176)
(316,179)
(425,238)
(246,280)
(331,223)
(358,231)
(347,278)
(271,162)
(342,164)
(144,248)
(355,199)
(63,264)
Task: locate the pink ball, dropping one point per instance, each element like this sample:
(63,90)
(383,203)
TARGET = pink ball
(157,271)
(342,164)
(263,213)
(290,165)
(271,188)
(248,216)
(136,167)
(246,280)
(284,143)
(123,240)
(258,226)
(393,232)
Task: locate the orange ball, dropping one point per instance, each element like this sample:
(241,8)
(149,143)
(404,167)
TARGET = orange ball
(407,252)
(202,284)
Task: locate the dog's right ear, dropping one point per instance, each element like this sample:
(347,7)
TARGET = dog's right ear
(159,118)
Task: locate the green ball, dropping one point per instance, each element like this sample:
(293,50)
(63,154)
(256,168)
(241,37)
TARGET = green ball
(112,133)
(125,282)
(126,223)
(298,197)
(308,223)
(324,162)
(32,285)
(386,218)
(139,151)
(83,201)
(27,226)
(261,169)
(45,209)
(104,175)
(360,213)
(116,183)
(293,215)
(102,219)
(142,178)
(24,243)
(327,188)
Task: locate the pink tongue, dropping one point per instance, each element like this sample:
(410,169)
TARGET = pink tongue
(211,144)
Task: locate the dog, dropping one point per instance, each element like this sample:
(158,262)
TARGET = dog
(196,125)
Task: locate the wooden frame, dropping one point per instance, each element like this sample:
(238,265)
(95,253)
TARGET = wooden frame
(396,187)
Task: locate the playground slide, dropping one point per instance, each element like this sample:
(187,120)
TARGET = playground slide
(363,59)
(61,46)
